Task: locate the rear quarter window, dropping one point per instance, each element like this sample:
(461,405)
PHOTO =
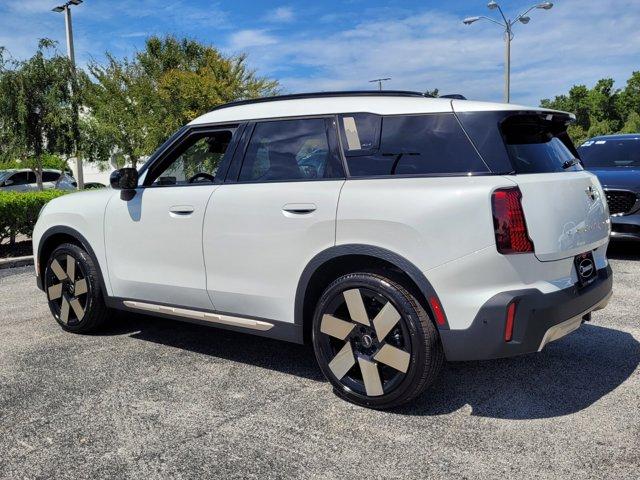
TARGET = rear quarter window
(432,144)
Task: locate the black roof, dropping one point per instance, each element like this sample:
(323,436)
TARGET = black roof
(353,93)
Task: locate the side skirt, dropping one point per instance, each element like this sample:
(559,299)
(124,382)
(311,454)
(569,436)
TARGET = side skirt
(288,332)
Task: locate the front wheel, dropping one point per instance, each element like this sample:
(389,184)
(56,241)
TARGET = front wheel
(375,342)
(73,290)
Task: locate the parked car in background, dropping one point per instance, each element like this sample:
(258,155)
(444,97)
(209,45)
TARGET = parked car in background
(615,159)
(387,229)
(24,180)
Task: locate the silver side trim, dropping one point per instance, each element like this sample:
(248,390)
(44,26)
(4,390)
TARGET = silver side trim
(203,316)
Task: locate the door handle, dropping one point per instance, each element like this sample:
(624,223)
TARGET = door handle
(181,210)
(299,208)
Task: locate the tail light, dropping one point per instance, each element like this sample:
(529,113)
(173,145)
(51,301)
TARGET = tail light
(509,223)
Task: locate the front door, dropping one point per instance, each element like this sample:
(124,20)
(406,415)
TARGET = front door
(154,240)
(278,211)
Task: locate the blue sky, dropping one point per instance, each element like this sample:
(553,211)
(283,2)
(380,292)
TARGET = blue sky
(334,45)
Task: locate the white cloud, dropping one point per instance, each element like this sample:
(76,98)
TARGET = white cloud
(576,42)
(245,39)
(280,14)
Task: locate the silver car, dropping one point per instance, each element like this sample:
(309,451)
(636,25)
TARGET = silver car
(24,180)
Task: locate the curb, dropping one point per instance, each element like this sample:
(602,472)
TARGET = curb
(16,262)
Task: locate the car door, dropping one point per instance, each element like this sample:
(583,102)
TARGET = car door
(154,240)
(274,213)
(20,182)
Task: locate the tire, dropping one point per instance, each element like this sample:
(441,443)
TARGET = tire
(73,290)
(375,342)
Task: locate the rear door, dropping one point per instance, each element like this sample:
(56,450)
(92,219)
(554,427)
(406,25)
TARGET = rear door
(276,211)
(565,207)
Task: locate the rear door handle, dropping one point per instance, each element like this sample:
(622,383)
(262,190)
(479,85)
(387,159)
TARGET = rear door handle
(299,208)
(181,210)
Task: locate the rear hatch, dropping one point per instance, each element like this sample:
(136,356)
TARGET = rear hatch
(564,206)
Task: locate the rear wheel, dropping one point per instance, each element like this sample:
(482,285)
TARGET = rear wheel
(375,342)
(73,290)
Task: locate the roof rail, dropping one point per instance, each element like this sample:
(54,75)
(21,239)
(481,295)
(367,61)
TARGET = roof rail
(298,96)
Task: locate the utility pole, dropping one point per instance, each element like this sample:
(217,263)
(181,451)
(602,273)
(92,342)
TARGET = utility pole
(379,81)
(72,58)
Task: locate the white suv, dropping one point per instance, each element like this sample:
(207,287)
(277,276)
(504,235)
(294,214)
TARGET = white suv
(391,230)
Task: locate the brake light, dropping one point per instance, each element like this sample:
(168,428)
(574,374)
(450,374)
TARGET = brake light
(508,327)
(509,223)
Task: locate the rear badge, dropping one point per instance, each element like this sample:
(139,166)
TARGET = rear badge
(585,269)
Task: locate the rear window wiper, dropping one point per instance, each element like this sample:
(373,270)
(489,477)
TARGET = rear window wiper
(570,163)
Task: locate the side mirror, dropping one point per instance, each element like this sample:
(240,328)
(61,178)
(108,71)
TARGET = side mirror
(125,179)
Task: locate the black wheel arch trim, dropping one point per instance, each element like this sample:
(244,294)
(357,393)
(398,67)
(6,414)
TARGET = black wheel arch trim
(413,272)
(84,243)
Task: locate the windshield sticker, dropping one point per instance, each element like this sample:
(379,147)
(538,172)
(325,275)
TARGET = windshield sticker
(601,142)
(351,131)
(587,144)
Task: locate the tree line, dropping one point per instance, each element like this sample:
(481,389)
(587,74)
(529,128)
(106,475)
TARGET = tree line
(119,109)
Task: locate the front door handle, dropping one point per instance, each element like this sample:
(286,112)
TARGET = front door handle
(181,210)
(299,208)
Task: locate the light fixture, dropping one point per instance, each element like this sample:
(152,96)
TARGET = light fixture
(75,2)
(524,20)
(58,9)
(545,6)
(470,20)
(492,5)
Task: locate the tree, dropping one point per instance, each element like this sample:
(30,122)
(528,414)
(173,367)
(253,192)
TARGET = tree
(136,104)
(37,102)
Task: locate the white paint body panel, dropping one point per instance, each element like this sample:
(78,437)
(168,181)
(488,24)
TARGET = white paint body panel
(255,252)
(156,255)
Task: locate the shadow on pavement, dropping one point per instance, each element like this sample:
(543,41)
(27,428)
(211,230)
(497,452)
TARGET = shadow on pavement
(566,377)
(624,250)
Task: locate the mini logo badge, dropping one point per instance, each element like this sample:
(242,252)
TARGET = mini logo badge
(586,268)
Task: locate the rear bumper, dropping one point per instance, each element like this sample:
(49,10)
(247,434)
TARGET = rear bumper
(626,227)
(540,318)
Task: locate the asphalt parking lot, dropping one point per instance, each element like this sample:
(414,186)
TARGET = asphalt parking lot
(150,398)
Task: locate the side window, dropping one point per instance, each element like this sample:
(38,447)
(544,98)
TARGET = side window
(23,178)
(195,161)
(50,176)
(412,145)
(290,150)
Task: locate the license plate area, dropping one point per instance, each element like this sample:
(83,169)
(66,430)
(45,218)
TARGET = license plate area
(585,269)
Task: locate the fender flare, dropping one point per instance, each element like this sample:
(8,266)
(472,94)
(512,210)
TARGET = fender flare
(84,243)
(414,273)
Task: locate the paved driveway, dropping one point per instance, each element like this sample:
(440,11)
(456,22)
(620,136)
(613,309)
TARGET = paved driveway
(155,399)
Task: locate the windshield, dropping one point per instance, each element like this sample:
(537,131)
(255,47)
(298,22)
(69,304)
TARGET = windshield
(611,153)
(4,175)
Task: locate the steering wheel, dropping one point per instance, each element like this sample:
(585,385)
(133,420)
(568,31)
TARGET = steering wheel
(203,176)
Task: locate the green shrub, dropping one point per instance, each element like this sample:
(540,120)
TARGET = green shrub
(19,211)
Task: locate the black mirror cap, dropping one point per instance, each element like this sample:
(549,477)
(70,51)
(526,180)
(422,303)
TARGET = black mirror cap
(124,179)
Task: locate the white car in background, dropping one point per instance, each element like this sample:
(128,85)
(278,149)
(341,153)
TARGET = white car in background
(24,180)
(390,230)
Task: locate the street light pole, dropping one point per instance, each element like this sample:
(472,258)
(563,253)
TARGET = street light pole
(507,25)
(72,59)
(379,81)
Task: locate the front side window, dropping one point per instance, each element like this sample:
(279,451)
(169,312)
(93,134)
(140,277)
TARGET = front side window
(23,178)
(408,145)
(195,161)
(286,150)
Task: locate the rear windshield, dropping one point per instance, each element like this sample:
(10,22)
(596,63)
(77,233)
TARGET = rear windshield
(537,145)
(433,144)
(611,153)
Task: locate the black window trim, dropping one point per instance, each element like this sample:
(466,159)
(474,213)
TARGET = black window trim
(169,148)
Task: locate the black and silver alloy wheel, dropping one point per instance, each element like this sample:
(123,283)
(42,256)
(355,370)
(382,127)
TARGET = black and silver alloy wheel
(73,289)
(67,289)
(374,341)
